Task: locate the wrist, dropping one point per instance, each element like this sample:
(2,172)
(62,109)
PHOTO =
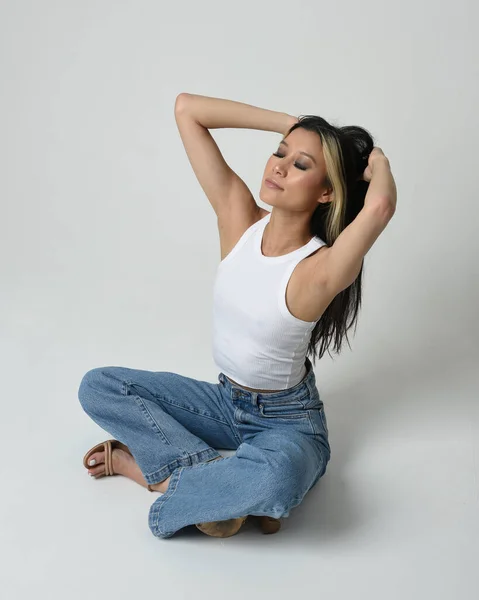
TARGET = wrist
(289,121)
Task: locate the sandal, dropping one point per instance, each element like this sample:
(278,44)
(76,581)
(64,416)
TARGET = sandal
(108,446)
(269,524)
(222,529)
(232,526)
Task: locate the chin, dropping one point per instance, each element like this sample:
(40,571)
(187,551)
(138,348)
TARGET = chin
(260,196)
(266,197)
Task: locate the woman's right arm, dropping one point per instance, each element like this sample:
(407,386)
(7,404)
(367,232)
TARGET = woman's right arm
(216,113)
(227,193)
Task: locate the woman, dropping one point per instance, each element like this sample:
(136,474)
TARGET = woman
(289,280)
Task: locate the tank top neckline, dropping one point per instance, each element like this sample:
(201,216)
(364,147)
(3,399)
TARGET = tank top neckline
(282,257)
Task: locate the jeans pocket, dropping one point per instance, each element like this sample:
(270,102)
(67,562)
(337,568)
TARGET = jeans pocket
(288,409)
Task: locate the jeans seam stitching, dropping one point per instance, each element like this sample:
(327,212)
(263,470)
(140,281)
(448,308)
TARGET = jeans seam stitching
(179,462)
(141,404)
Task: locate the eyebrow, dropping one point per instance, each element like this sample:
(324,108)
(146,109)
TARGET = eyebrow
(305,153)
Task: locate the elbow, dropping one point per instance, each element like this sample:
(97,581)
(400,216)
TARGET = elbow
(390,208)
(181,101)
(385,208)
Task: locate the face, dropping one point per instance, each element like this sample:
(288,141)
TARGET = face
(297,165)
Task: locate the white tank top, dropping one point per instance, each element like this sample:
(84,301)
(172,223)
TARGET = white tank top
(257,342)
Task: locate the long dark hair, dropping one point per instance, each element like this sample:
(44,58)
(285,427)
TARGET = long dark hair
(346,151)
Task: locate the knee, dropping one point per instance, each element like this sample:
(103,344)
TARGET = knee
(93,387)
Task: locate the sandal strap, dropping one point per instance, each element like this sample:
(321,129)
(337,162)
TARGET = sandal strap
(108,458)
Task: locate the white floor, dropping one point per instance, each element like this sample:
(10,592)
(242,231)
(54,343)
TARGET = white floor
(108,253)
(395,516)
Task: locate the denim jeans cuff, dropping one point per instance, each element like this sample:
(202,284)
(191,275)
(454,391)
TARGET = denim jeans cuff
(155,508)
(192,459)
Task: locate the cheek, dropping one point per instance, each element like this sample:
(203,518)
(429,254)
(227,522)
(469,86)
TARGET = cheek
(311,183)
(304,181)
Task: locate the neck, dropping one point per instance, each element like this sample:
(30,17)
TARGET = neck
(285,233)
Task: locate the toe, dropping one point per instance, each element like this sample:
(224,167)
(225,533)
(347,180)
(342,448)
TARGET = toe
(96,463)
(98,470)
(97,457)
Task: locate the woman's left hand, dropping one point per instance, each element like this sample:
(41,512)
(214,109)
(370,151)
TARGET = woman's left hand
(375,154)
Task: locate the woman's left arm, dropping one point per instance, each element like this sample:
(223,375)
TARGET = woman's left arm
(341,263)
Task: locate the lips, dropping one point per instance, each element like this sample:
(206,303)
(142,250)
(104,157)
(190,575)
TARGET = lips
(272,182)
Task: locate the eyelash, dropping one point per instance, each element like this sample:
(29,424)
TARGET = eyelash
(297,165)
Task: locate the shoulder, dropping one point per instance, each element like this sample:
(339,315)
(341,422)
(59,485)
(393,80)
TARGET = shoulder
(232,225)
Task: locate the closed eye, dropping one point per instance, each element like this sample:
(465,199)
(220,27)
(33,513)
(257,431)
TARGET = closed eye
(297,165)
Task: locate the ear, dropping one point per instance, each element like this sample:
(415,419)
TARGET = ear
(326,196)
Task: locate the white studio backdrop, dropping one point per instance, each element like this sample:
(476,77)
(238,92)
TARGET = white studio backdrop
(109,249)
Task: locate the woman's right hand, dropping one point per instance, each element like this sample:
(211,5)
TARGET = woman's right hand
(290,121)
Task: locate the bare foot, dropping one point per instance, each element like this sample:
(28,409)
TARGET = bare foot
(124,464)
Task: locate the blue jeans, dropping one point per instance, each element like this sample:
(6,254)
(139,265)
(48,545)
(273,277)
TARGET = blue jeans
(172,425)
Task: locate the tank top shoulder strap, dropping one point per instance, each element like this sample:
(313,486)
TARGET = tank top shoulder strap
(244,237)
